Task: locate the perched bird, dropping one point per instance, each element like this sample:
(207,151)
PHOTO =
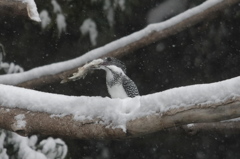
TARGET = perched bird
(119,85)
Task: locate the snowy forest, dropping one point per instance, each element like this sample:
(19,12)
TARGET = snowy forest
(183,57)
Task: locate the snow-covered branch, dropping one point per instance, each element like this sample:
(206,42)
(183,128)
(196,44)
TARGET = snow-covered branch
(55,72)
(19,7)
(32,112)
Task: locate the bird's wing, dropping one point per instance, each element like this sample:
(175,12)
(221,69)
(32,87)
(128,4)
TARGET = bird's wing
(130,87)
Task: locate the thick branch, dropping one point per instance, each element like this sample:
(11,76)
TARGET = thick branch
(13,8)
(138,43)
(230,127)
(44,124)
(19,8)
(172,30)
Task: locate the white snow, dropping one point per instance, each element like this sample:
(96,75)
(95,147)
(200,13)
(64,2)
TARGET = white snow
(54,148)
(56,7)
(89,26)
(32,10)
(10,68)
(110,6)
(190,125)
(3,151)
(45,19)
(96,53)
(109,11)
(166,10)
(21,145)
(29,148)
(3,154)
(120,3)
(21,123)
(61,23)
(60,19)
(116,112)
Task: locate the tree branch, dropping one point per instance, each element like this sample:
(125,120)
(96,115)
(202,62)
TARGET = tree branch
(137,43)
(228,127)
(97,117)
(45,124)
(19,8)
(172,30)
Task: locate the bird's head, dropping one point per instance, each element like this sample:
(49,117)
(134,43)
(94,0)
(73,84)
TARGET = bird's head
(108,61)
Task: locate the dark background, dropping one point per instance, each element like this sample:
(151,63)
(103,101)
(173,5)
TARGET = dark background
(208,52)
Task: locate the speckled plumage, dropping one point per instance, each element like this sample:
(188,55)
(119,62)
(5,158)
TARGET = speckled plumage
(118,83)
(130,87)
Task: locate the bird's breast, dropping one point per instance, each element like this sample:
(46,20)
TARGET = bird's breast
(117,91)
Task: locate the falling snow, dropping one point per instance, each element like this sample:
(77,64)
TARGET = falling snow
(89,26)
(98,52)
(166,10)
(61,23)
(56,7)
(45,19)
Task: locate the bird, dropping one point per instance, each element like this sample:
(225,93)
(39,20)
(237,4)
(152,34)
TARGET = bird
(119,85)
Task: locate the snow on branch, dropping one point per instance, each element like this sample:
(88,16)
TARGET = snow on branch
(20,7)
(55,72)
(31,112)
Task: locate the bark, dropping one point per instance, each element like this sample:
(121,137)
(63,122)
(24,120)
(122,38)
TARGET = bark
(13,8)
(230,127)
(42,123)
(152,37)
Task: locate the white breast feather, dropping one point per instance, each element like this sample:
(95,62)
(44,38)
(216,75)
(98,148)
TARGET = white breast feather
(117,91)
